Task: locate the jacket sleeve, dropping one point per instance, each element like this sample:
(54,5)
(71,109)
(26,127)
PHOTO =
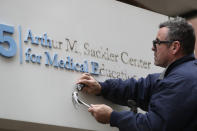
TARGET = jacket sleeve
(119,91)
(166,109)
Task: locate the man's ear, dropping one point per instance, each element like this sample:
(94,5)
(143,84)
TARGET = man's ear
(175,47)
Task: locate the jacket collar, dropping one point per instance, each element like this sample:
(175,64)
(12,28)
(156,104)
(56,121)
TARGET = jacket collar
(176,63)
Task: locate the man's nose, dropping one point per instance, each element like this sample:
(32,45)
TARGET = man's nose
(153,48)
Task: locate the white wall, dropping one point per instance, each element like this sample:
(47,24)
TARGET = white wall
(38,93)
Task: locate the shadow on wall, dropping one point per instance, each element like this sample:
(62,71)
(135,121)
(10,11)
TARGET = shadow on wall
(192,18)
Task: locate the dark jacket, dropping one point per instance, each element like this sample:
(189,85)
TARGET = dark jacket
(171,102)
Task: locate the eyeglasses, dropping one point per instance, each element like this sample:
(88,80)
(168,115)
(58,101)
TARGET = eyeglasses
(157,41)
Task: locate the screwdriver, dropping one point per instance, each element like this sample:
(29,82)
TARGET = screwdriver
(80,86)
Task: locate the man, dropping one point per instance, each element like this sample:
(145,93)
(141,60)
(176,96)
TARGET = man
(170,98)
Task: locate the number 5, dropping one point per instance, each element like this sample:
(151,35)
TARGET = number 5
(11,51)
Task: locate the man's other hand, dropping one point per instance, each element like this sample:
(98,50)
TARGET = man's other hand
(101,113)
(91,85)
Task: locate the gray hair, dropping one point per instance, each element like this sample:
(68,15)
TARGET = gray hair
(180,30)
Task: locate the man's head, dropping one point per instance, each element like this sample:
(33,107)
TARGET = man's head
(175,39)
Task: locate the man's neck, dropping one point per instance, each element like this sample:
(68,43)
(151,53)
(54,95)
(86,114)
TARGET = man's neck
(174,58)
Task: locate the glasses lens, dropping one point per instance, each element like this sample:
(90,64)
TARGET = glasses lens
(154,43)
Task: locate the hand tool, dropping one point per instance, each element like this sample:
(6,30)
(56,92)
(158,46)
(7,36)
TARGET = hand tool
(78,101)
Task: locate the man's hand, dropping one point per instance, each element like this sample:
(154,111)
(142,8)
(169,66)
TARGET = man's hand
(92,86)
(101,113)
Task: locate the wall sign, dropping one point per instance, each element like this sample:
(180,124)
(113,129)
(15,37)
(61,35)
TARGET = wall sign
(67,63)
(45,42)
